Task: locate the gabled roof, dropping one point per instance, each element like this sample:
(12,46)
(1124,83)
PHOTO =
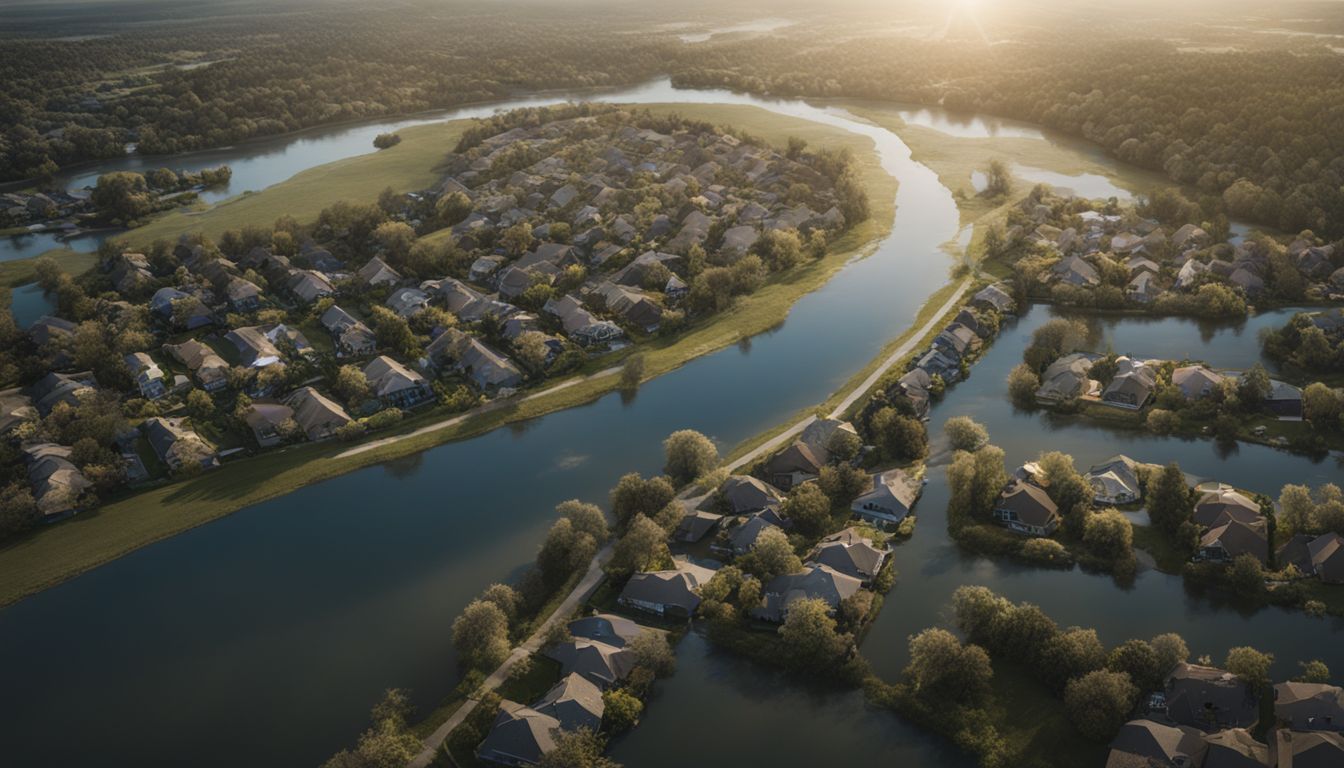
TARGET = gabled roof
(1315,749)
(387,376)
(890,491)
(574,702)
(1030,504)
(616,631)
(815,581)
(1194,693)
(1235,748)
(316,415)
(1145,743)
(1215,507)
(519,734)
(601,664)
(1238,538)
(378,272)
(851,554)
(1310,706)
(748,494)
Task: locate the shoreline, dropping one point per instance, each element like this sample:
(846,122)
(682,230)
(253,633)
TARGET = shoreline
(52,555)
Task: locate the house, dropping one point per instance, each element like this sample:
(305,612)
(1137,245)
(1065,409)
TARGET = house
(255,350)
(269,422)
(395,385)
(1217,507)
(1195,381)
(489,370)
(794,465)
(1284,400)
(308,285)
(183,310)
(574,702)
(177,445)
(243,295)
(888,499)
(1024,508)
(149,379)
(352,337)
(1232,538)
(600,664)
(1143,288)
(632,306)
(995,297)
(851,553)
(1133,384)
(745,494)
(816,581)
(956,340)
(1066,379)
(1309,706)
(1075,271)
(1115,481)
(15,408)
(666,593)
(49,330)
(1313,749)
(821,433)
(1235,748)
(1209,699)
(519,736)
(407,302)
(696,526)
(915,385)
(742,538)
(130,273)
(56,482)
(936,363)
(608,628)
(56,388)
(1146,744)
(316,415)
(1327,557)
(210,370)
(377,272)
(580,324)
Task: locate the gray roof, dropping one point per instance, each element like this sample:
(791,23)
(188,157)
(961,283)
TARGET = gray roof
(520,735)
(1145,743)
(850,553)
(816,581)
(616,631)
(1209,698)
(748,494)
(1310,706)
(574,702)
(603,665)
(1315,749)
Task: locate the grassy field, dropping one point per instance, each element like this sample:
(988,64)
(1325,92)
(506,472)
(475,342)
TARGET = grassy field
(22,271)
(54,554)
(409,166)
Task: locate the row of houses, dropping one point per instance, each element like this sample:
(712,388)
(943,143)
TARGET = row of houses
(955,345)
(1205,718)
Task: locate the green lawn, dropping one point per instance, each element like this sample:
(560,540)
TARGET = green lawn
(541,675)
(1032,721)
(59,552)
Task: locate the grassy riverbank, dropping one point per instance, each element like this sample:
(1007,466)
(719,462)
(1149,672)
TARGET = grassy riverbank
(52,555)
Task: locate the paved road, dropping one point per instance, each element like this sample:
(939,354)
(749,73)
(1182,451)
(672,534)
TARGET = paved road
(594,575)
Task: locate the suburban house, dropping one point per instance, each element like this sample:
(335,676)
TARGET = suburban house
(1132,386)
(520,736)
(177,445)
(888,500)
(600,664)
(666,593)
(1284,400)
(407,302)
(995,297)
(815,581)
(210,370)
(1144,743)
(149,379)
(745,494)
(1313,749)
(1115,481)
(269,422)
(820,434)
(742,538)
(574,702)
(316,415)
(488,370)
(15,408)
(395,385)
(255,350)
(1224,542)
(915,385)
(794,465)
(1066,379)
(48,329)
(1235,747)
(696,526)
(956,340)
(55,388)
(377,272)
(309,285)
(851,553)
(181,309)
(1320,556)
(55,480)
(1209,699)
(351,336)
(1195,381)
(580,324)
(1309,706)
(1217,507)
(1025,508)
(616,631)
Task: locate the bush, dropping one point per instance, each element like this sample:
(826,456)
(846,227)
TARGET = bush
(385,140)
(1099,702)
(1162,422)
(1045,552)
(621,711)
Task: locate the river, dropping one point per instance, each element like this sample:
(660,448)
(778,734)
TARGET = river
(266,635)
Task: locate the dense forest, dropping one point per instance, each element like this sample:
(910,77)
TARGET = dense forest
(1259,121)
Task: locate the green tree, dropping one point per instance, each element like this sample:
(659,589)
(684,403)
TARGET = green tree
(1314,671)
(653,652)
(771,556)
(1072,653)
(632,372)
(689,455)
(901,438)
(621,710)
(1140,661)
(1171,650)
(810,637)
(1022,385)
(843,483)
(481,635)
(942,669)
(123,196)
(586,518)
(1099,702)
(503,597)
(964,433)
(809,508)
(643,547)
(1170,503)
(1109,535)
(1250,665)
(634,497)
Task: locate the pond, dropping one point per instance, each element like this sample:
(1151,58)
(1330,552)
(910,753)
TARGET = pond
(28,303)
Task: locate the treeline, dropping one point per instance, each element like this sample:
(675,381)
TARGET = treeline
(1260,128)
